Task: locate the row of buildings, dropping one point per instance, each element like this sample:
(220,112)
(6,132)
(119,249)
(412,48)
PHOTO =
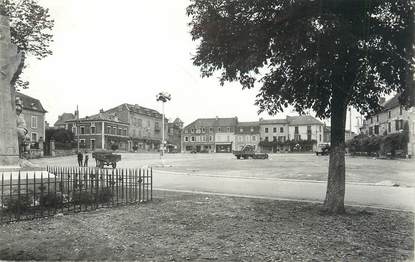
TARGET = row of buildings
(126,127)
(227,134)
(135,128)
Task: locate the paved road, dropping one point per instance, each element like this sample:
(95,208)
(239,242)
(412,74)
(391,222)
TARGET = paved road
(402,198)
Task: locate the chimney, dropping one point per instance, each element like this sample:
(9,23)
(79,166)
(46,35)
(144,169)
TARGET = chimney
(101,110)
(217,117)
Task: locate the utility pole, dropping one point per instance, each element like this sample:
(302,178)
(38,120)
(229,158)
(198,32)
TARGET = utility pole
(77,125)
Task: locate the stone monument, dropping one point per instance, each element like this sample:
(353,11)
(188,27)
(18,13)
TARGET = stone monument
(9,61)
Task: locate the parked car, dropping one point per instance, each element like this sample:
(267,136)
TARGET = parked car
(248,151)
(323,149)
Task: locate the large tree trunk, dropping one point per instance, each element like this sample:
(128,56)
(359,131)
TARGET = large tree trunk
(334,202)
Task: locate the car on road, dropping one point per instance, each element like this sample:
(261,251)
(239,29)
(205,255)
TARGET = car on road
(323,149)
(248,151)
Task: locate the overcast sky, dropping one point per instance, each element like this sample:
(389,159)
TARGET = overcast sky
(111,52)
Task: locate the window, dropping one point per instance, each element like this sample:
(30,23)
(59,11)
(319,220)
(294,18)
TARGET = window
(203,129)
(266,130)
(240,138)
(34,137)
(124,132)
(274,130)
(210,138)
(266,138)
(309,137)
(274,138)
(389,127)
(377,118)
(308,129)
(193,139)
(229,129)
(82,130)
(371,130)
(319,129)
(319,138)
(210,129)
(92,142)
(371,120)
(281,130)
(253,138)
(109,128)
(192,130)
(296,130)
(186,139)
(93,130)
(389,114)
(400,110)
(219,130)
(114,130)
(203,138)
(33,122)
(74,130)
(376,130)
(119,131)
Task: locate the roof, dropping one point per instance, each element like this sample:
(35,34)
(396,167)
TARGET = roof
(391,103)
(102,116)
(214,122)
(303,120)
(30,103)
(248,124)
(273,121)
(63,118)
(138,110)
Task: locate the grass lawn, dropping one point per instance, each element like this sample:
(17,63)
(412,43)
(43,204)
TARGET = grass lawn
(179,227)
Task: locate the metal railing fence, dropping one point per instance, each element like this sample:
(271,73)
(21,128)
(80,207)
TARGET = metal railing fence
(36,194)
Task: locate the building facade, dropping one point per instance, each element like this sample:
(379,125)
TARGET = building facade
(391,119)
(209,135)
(101,131)
(61,122)
(34,116)
(145,126)
(174,143)
(247,133)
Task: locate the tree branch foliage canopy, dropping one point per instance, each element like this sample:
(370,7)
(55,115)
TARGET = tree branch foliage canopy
(31,31)
(301,52)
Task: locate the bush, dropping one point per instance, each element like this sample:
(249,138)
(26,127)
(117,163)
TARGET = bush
(105,195)
(15,205)
(82,198)
(52,200)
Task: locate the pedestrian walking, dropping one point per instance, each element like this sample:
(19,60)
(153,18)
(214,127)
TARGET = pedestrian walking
(80,158)
(86,159)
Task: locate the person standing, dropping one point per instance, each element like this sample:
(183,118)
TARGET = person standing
(86,159)
(80,158)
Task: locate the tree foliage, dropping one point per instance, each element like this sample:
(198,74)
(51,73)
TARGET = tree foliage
(301,52)
(31,31)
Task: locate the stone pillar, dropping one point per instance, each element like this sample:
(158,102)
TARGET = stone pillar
(41,146)
(52,147)
(9,149)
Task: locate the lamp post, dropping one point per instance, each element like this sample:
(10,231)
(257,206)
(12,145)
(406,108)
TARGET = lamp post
(163,97)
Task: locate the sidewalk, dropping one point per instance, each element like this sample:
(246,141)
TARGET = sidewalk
(400,198)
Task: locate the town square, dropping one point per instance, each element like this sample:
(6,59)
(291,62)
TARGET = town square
(199,130)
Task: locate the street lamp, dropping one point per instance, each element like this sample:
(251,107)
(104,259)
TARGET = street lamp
(163,97)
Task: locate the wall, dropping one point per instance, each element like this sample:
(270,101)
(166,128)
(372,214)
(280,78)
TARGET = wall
(40,129)
(270,134)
